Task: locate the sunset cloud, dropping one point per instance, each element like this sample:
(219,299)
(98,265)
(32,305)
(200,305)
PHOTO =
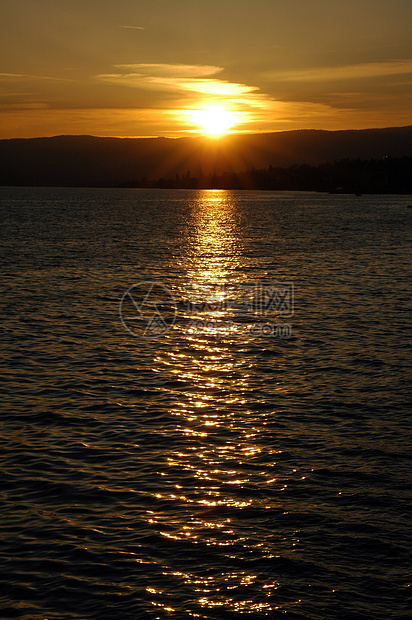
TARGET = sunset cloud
(346,72)
(188,87)
(23,76)
(163,70)
(196,80)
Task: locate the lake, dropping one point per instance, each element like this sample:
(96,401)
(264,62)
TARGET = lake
(205,410)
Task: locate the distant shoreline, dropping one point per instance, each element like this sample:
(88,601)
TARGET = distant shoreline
(355,161)
(386,176)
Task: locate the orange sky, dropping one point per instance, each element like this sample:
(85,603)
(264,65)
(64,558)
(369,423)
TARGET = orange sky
(147,67)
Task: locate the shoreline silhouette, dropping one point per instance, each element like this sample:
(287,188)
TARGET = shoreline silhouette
(357,161)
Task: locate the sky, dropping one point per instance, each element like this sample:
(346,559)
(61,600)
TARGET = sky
(160,67)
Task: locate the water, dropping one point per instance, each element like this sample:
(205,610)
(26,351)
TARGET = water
(211,472)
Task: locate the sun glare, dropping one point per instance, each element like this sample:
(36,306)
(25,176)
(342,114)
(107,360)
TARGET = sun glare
(214,120)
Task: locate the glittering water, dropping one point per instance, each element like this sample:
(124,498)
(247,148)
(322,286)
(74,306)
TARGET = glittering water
(204,473)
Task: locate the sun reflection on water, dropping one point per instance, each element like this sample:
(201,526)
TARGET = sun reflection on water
(215,248)
(218,463)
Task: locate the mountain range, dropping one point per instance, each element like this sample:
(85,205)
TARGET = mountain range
(89,161)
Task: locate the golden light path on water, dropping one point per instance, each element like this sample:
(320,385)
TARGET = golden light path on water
(223,460)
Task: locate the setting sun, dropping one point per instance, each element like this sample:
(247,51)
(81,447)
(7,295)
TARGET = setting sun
(214,120)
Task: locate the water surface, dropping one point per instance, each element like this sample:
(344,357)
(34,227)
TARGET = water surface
(209,472)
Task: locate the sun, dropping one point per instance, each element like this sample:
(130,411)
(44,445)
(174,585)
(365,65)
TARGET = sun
(215,120)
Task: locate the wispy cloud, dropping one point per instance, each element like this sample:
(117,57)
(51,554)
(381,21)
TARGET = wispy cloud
(345,72)
(12,76)
(133,27)
(168,70)
(197,81)
(23,106)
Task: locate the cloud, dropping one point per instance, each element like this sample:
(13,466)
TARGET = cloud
(123,122)
(213,88)
(8,76)
(166,70)
(197,81)
(176,90)
(345,72)
(23,106)
(133,27)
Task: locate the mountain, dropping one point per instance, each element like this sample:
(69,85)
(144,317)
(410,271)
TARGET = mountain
(108,162)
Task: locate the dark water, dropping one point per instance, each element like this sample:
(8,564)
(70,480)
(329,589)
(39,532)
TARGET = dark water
(213,471)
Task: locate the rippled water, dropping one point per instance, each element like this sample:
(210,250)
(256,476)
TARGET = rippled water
(208,472)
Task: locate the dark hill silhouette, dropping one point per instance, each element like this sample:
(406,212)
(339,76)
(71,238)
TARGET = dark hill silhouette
(109,162)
